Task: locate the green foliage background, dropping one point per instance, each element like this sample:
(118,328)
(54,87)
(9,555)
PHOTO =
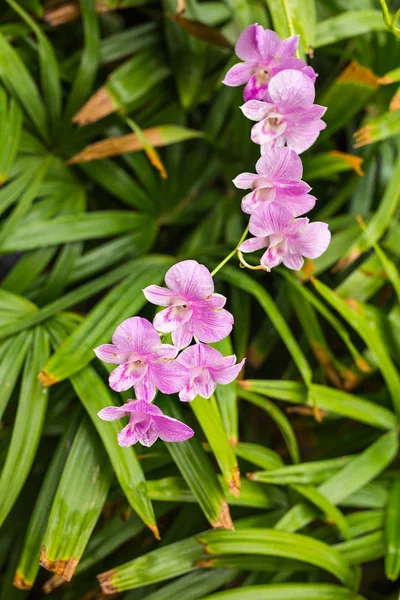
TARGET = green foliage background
(314,422)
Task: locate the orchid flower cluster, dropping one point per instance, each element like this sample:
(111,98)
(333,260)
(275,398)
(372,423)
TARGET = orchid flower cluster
(146,364)
(279,95)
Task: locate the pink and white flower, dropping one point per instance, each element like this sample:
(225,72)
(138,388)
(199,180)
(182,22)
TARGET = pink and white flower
(145,363)
(264,55)
(286,238)
(193,308)
(278,179)
(288,115)
(206,367)
(146,423)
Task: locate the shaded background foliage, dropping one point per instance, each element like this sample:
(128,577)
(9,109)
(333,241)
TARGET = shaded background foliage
(118,145)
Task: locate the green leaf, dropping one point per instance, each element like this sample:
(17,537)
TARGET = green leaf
(392,531)
(307,473)
(283,591)
(49,70)
(18,80)
(227,399)
(381,128)
(198,473)
(28,565)
(327,164)
(95,396)
(269,542)
(292,17)
(254,495)
(11,227)
(348,25)
(247,284)
(90,58)
(279,418)
(15,351)
(209,417)
(28,425)
(355,474)
(347,95)
(159,565)
(188,56)
(72,228)
(77,504)
(332,514)
(10,133)
(120,303)
(259,455)
(327,399)
(364,549)
(194,585)
(356,315)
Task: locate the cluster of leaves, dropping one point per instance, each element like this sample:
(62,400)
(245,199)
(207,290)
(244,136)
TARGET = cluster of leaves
(91,213)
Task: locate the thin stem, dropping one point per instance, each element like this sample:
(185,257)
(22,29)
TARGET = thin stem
(227,258)
(244,263)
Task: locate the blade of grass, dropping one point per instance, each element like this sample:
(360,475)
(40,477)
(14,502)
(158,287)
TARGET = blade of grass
(28,425)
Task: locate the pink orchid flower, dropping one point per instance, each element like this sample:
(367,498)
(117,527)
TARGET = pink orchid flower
(206,367)
(193,308)
(145,363)
(264,55)
(146,423)
(278,179)
(288,116)
(286,238)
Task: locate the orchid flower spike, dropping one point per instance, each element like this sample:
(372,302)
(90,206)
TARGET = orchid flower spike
(192,307)
(145,363)
(278,179)
(146,423)
(286,238)
(264,55)
(206,367)
(288,115)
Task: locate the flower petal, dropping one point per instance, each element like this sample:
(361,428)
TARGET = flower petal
(247,44)
(244,181)
(164,351)
(171,318)
(280,164)
(190,280)
(253,244)
(265,132)
(199,355)
(110,354)
(136,335)
(159,295)
(188,393)
(215,301)
(145,389)
(272,257)
(148,437)
(112,413)
(182,336)
(204,384)
(126,376)
(293,261)
(271,218)
(299,205)
(210,325)
(268,43)
(171,430)
(291,89)
(257,86)
(170,376)
(288,47)
(226,372)
(256,110)
(238,74)
(314,240)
